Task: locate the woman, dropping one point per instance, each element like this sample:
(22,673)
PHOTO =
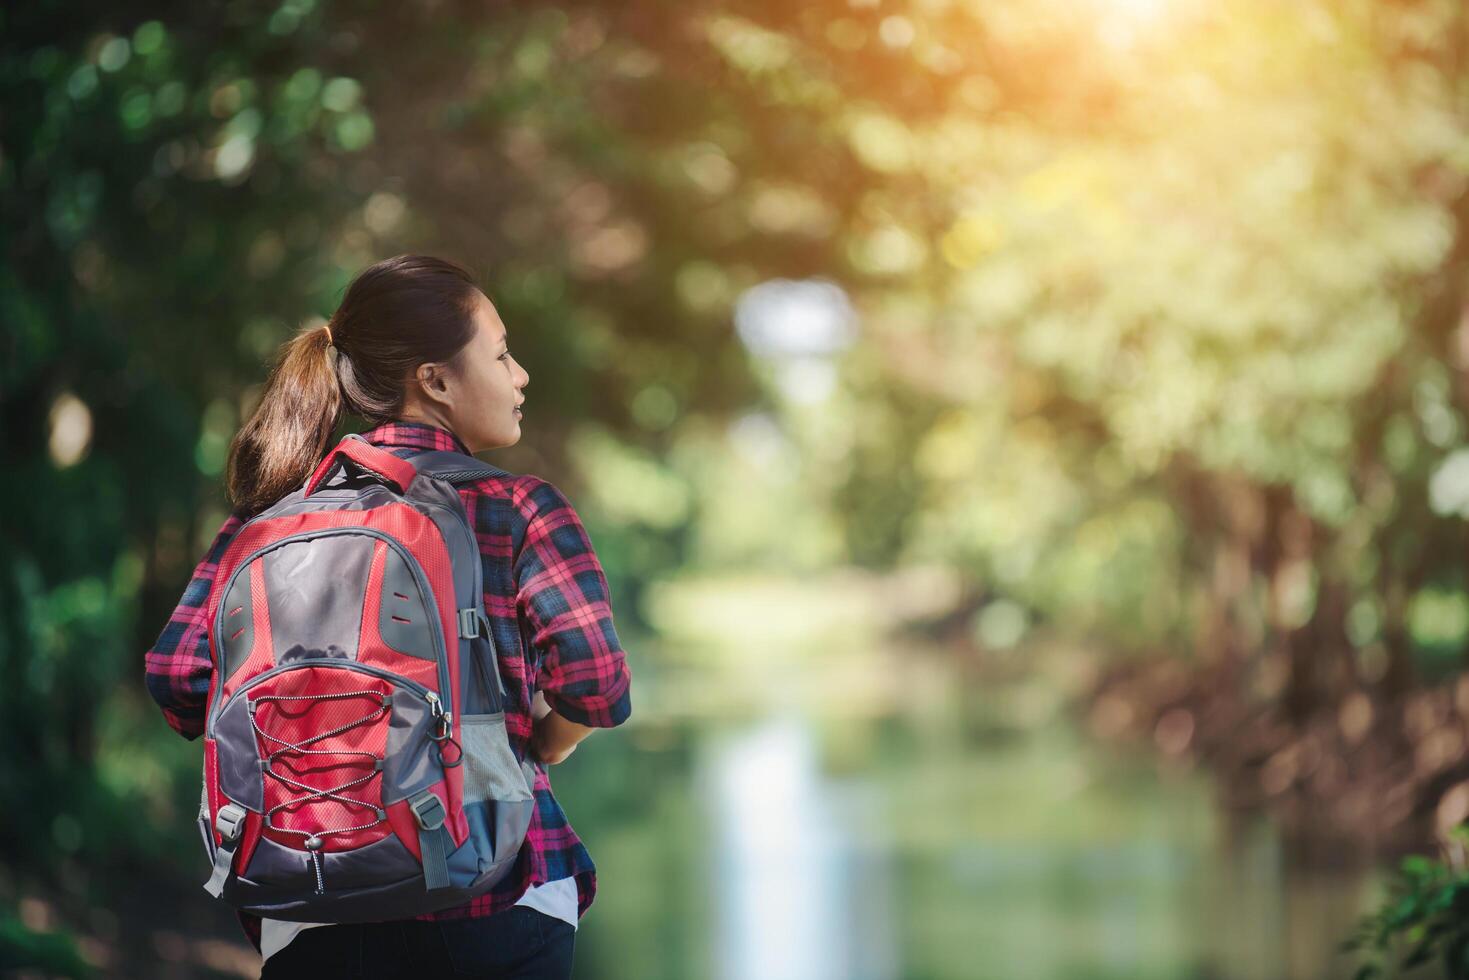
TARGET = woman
(419,351)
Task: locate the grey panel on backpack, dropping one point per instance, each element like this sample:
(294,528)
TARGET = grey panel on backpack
(497,830)
(350,498)
(381,861)
(481,694)
(410,764)
(314,590)
(404,619)
(512,820)
(239,756)
(238,634)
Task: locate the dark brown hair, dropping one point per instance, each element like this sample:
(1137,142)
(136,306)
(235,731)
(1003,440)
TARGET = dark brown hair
(397,314)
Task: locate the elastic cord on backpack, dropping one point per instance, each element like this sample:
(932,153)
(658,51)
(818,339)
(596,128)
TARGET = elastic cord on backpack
(313,841)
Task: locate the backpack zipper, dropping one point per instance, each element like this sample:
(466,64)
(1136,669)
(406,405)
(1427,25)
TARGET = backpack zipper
(398,680)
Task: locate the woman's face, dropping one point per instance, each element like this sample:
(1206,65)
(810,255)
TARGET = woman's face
(480,401)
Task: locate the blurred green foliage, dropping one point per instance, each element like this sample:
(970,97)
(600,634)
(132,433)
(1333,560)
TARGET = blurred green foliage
(1160,335)
(52,952)
(1424,921)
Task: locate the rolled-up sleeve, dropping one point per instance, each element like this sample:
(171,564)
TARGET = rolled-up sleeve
(562,596)
(177,667)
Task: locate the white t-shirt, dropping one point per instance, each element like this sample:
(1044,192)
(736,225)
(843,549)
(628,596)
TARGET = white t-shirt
(554,898)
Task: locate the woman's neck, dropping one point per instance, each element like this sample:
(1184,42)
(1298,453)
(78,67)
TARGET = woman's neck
(424,418)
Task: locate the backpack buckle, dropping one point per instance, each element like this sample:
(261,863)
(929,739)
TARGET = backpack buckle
(230,821)
(428,810)
(468,624)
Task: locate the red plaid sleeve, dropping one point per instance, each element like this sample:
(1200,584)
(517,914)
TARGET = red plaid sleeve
(177,667)
(563,599)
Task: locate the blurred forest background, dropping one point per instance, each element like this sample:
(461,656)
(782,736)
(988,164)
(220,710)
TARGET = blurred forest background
(1029,440)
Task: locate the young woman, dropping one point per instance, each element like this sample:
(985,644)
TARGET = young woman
(419,352)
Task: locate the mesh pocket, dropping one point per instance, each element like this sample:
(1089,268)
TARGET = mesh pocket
(490,769)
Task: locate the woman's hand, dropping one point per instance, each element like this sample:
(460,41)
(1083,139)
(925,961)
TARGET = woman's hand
(538,707)
(553,737)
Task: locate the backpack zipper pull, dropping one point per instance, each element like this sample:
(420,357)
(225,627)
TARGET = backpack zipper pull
(444,725)
(445,719)
(313,847)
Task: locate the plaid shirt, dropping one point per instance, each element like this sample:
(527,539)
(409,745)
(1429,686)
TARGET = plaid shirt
(543,585)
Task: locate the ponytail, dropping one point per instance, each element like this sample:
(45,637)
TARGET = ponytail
(287,435)
(396,314)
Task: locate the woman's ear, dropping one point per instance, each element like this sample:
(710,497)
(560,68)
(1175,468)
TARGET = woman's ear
(433,382)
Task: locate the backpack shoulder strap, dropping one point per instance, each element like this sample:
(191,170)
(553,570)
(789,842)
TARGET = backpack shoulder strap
(454,468)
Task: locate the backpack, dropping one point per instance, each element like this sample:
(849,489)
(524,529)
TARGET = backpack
(356,762)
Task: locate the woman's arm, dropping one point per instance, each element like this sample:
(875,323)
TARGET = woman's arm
(554,737)
(178,666)
(584,682)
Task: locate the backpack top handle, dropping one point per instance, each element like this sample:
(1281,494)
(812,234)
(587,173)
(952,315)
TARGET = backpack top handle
(393,470)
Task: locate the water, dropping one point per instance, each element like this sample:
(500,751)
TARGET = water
(789,847)
(798,896)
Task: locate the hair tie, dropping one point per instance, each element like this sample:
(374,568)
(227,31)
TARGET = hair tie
(328,329)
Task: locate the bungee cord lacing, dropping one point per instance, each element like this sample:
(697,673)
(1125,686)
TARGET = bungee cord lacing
(313,841)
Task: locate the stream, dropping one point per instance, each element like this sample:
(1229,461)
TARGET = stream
(788,847)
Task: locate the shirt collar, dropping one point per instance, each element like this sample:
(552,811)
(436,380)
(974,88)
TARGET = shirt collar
(416,435)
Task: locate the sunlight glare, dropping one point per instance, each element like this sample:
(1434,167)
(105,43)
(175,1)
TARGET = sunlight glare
(1121,22)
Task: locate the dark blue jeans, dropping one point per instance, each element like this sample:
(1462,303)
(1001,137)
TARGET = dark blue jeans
(517,944)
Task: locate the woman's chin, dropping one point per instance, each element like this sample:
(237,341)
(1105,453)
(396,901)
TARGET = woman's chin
(500,440)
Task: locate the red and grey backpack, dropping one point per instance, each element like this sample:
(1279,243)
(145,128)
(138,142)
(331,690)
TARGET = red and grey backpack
(356,763)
